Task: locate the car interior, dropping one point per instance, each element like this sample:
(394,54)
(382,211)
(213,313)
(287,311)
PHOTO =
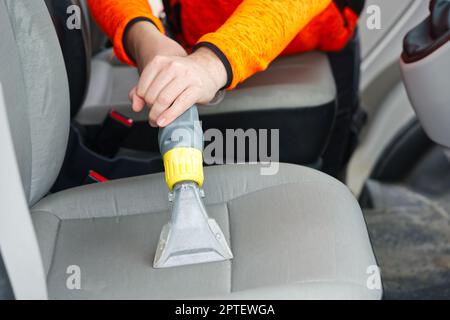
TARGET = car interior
(82,175)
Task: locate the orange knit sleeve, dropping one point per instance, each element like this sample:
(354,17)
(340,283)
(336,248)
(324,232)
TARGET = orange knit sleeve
(114,16)
(257,32)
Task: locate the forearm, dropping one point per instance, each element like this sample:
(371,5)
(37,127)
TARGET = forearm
(258,31)
(115,17)
(144,42)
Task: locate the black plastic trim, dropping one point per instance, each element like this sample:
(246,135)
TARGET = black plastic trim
(430,35)
(400,157)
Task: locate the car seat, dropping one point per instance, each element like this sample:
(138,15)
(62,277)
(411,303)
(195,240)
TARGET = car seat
(297,234)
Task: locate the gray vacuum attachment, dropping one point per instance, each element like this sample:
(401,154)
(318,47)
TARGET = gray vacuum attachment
(184,132)
(190,237)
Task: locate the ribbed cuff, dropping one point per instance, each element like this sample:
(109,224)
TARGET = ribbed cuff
(222,58)
(128,27)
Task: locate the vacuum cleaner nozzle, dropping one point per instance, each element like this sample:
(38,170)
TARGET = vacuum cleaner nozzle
(191,237)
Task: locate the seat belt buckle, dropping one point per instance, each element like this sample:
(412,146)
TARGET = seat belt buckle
(115,128)
(94,177)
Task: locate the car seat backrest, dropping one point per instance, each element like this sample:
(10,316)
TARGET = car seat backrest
(98,38)
(74,38)
(35,86)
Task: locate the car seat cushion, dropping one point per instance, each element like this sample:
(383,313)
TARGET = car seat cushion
(296,234)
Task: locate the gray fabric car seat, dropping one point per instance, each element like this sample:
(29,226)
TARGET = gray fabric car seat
(296,234)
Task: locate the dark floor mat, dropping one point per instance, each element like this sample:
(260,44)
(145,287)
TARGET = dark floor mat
(411,238)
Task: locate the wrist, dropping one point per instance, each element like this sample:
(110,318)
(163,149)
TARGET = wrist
(215,67)
(137,38)
(145,42)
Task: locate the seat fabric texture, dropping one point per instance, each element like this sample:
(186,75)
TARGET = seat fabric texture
(298,234)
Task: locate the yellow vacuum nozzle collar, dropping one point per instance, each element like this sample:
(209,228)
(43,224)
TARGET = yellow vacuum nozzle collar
(183,164)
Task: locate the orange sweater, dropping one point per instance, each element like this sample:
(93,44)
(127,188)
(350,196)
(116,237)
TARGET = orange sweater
(246,34)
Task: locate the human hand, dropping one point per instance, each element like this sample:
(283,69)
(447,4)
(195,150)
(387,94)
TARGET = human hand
(170,85)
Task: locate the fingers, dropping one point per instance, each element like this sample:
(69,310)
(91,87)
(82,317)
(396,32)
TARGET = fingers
(137,102)
(183,102)
(166,98)
(149,74)
(171,85)
(160,82)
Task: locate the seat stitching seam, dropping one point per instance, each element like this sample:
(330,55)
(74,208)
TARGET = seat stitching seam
(267,188)
(223,201)
(208,204)
(54,241)
(45,211)
(50,267)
